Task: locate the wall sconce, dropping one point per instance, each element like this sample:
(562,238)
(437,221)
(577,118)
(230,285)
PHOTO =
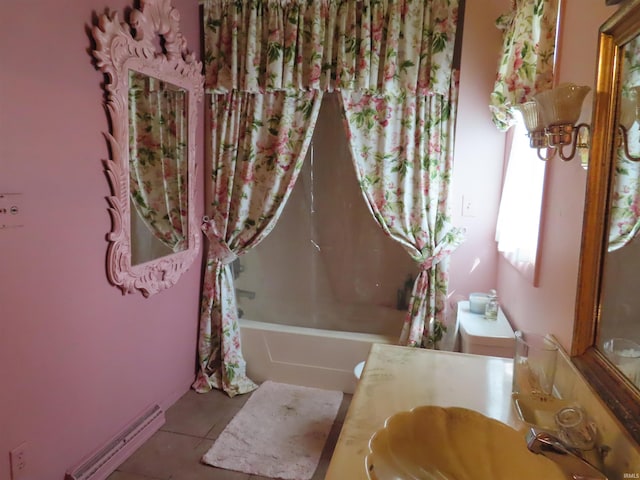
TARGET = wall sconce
(550,119)
(535,126)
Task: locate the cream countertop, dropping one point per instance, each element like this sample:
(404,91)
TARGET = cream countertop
(398,378)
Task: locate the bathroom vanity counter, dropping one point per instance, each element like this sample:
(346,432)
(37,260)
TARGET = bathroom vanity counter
(398,378)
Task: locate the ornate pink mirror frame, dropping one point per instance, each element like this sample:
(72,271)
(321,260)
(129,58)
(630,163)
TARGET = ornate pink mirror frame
(152,45)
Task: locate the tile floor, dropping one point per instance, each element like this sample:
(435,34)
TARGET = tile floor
(192,425)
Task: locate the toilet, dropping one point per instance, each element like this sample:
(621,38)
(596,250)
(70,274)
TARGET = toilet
(485,337)
(477,335)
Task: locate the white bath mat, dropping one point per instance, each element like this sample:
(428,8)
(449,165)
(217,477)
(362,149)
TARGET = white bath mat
(280,432)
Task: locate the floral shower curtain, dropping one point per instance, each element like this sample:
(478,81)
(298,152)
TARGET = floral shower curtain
(625,202)
(157,123)
(366,49)
(400,130)
(258,144)
(528,52)
(402,146)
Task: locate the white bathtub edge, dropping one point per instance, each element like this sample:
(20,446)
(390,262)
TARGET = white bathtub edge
(305,356)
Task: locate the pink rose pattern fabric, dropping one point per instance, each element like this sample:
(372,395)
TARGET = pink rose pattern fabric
(266,65)
(402,148)
(258,144)
(380,45)
(158,158)
(528,51)
(625,200)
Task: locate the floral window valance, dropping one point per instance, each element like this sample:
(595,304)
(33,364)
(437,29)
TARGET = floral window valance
(378,45)
(528,51)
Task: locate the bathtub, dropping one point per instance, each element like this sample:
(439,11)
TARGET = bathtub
(306,356)
(289,347)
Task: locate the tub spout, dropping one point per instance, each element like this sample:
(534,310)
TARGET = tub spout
(570,460)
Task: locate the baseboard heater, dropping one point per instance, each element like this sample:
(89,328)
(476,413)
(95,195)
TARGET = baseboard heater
(102,463)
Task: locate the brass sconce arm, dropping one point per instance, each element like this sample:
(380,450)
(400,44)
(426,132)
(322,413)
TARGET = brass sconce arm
(624,140)
(568,136)
(555,138)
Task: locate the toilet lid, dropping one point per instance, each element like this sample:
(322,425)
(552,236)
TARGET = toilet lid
(480,331)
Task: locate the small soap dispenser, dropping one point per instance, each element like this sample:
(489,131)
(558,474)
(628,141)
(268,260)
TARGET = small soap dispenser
(491,310)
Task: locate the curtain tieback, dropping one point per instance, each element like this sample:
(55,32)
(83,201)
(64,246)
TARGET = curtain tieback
(431,257)
(429,262)
(217,246)
(426,264)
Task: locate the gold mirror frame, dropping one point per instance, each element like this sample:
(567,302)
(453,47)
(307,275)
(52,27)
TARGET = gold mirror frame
(153,45)
(616,391)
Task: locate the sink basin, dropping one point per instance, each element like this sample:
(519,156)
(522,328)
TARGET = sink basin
(436,443)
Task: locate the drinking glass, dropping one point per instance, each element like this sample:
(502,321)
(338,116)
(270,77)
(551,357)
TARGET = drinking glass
(576,430)
(534,364)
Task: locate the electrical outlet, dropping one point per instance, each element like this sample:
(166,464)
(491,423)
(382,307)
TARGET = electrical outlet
(18,459)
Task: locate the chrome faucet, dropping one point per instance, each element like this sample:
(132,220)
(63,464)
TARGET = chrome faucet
(569,459)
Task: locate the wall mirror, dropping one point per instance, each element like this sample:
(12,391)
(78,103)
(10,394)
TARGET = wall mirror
(153,84)
(606,345)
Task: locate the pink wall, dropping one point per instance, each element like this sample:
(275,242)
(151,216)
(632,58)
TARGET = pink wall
(550,307)
(78,361)
(476,266)
(477,173)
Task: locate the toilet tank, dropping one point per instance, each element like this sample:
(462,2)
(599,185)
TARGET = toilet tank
(485,337)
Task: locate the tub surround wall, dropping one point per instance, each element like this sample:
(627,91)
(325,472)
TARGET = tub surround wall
(351,317)
(78,360)
(326,255)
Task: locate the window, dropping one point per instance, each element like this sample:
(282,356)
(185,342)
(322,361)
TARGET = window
(519,214)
